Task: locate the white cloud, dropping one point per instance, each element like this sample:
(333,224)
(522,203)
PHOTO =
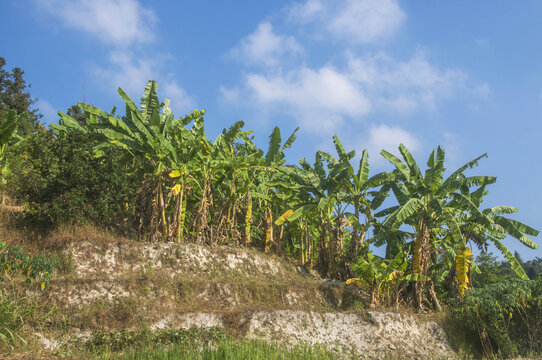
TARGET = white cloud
(452,148)
(122,24)
(49,112)
(131,73)
(181,102)
(358,21)
(127,71)
(118,22)
(264,47)
(318,99)
(482,91)
(307,11)
(384,137)
(405,86)
(321,99)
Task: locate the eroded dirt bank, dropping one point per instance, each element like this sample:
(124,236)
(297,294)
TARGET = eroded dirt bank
(126,285)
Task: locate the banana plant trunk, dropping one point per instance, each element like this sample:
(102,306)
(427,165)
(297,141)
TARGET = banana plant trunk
(163,212)
(323,261)
(269,232)
(420,262)
(180,216)
(248,220)
(202,214)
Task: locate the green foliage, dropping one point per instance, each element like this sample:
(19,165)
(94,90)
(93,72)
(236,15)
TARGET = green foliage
(15,261)
(492,271)
(227,350)
(58,181)
(533,268)
(8,141)
(384,277)
(446,215)
(14,97)
(120,340)
(15,313)
(10,321)
(506,316)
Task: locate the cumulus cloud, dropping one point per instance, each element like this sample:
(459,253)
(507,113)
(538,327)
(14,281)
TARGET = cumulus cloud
(118,22)
(405,86)
(306,11)
(127,71)
(131,73)
(181,102)
(321,99)
(121,25)
(318,98)
(383,137)
(357,21)
(264,47)
(49,112)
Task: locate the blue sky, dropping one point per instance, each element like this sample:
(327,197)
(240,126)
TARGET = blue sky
(465,75)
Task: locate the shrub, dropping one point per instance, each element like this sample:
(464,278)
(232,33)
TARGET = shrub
(59,182)
(507,316)
(14,260)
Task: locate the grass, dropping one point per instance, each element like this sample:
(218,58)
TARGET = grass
(227,349)
(194,343)
(17,315)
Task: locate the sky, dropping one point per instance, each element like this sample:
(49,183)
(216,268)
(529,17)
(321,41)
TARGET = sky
(460,74)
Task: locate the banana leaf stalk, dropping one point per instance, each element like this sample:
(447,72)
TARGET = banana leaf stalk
(269,231)
(162,212)
(248,219)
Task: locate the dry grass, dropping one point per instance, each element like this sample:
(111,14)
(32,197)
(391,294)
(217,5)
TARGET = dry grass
(62,237)
(174,282)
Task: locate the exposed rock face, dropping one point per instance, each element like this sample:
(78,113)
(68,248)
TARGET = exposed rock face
(372,335)
(121,285)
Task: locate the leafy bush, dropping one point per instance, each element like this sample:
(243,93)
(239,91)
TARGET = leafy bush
(14,260)
(60,182)
(507,317)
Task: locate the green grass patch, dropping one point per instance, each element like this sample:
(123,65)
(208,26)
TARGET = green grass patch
(225,349)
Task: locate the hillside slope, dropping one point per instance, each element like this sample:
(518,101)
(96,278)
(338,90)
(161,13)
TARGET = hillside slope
(126,285)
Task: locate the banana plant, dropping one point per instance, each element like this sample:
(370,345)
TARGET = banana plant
(424,202)
(441,213)
(383,277)
(271,200)
(488,226)
(145,133)
(322,190)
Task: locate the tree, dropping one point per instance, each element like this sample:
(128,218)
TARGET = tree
(445,215)
(58,181)
(423,204)
(8,139)
(14,96)
(488,226)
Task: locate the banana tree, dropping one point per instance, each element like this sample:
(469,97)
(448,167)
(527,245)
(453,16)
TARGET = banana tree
(424,202)
(488,226)
(383,277)
(147,135)
(444,215)
(237,161)
(275,198)
(322,191)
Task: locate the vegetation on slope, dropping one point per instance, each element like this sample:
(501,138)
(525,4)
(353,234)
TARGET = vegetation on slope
(161,178)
